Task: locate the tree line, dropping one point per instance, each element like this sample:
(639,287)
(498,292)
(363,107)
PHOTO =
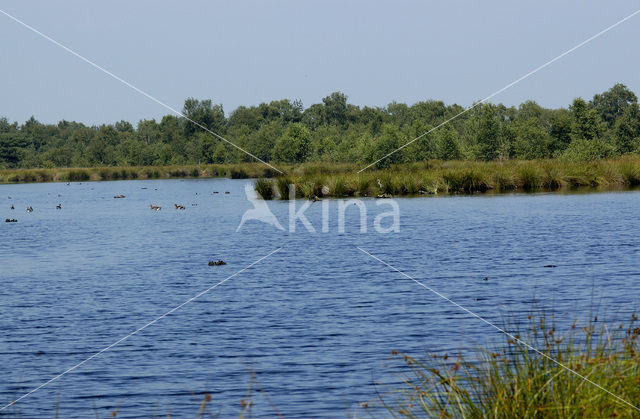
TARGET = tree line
(335,131)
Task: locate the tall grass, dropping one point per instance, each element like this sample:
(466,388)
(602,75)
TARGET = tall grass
(511,380)
(343,179)
(234,171)
(264,188)
(463,177)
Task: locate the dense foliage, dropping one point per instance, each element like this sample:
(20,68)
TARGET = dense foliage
(335,131)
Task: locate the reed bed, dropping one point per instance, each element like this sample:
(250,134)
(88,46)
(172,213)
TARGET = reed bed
(343,180)
(233,171)
(512,380)
(459,177)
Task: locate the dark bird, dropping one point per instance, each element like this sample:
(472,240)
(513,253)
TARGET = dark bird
(218,263)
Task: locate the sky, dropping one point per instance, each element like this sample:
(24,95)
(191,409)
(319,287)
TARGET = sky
(247,52)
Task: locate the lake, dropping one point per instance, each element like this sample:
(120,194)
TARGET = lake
(315,321)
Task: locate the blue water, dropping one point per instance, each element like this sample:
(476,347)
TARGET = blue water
(315,322)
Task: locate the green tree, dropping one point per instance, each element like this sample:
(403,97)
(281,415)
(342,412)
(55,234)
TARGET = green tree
(610,105)
(293,146)
(335,109)
(385,148)
(12,145)
(561,125)
(627,129)
(587,124)
(486,131)
(205,114)
(532,141)
(447,146)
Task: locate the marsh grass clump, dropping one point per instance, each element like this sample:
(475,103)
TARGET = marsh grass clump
(363,185)
(339,188)
(177,173)
(237,173)
(45,175)
(264,188)
(388,184)
(529,178)
(79,175)
(630,174)
(409,185)
(152,173)
(502,180)
(104,174)
(465,180)
(282,184)
(308,189)
(512,380)
(551,178)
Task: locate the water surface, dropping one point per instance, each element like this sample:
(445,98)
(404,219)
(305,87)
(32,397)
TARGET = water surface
(316,321)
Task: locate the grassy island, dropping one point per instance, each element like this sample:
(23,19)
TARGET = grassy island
(454,177)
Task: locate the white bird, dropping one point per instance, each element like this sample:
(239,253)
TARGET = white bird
(260,210)
(379,183)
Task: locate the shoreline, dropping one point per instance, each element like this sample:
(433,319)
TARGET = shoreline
(340,180)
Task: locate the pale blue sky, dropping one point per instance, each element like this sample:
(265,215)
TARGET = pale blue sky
(247,52)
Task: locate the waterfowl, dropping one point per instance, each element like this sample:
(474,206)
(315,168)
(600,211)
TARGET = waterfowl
(155,207)
(178,207)
(10,220)
(218,263)
(29,209)
(12,207)
(227,192)
(59,206)
(315,199)
(118,196)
